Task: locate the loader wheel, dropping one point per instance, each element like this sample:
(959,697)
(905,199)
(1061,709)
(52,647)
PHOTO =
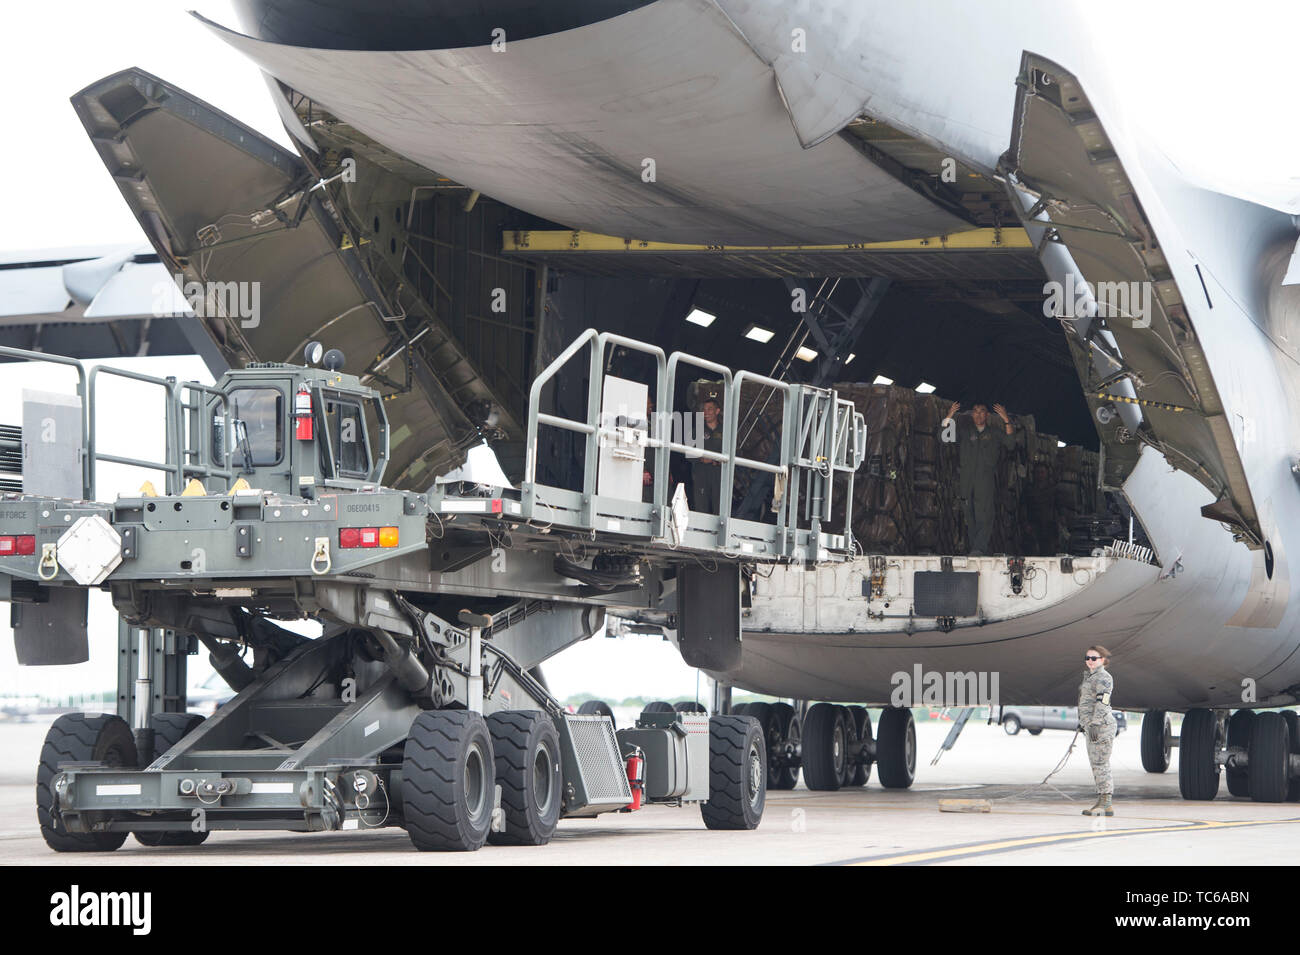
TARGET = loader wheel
(448,781)
(1241,727)
(1157,741)
(1198,772)
(783,773)
(737,774)
(823,747)
(80,738)
(1270,757)
(526,748)
(168,730)
(896,748)
(862,730)
(689,706)
(1293,728)
(597,708)
(659,706)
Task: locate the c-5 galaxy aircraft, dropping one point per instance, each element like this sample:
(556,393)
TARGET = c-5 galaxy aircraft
(476,182)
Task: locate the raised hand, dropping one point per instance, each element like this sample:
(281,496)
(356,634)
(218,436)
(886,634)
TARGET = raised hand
(953,408)
(1001,412)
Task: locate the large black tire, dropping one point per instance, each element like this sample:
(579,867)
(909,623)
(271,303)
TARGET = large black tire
(737,773)
(896,748)
(740,709)
(80,738)
(1035,731)
(1270,754)
(1293,730)
(862,730)
(448,781)
(846,777)
(1198,773)
(526,748)
(168,730)
(659,706)
(1157,741)
(597,708)
(689,706)
(1241,726)
(784,722)
(823,747)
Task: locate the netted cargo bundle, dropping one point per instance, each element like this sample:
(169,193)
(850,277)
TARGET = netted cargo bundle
(905,495)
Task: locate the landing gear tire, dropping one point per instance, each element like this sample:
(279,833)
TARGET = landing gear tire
(1293,728)
(862,730)
(168,730)
(896,748)
(1157,741)
(80,738)
(1198,772)
(689,706)
(737,773)
(846,777)
(597,708)
(783,773)
(1270,758)
(1011,726)
(823,747)
(448,781)
(659,706)
(1241,728)
(526,753)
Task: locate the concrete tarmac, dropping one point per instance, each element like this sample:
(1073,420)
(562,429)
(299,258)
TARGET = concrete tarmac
(1029,824)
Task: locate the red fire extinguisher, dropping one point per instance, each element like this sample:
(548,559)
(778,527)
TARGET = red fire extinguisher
(302,414)
(635,779)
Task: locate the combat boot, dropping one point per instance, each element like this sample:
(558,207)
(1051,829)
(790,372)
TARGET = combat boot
(1101,807)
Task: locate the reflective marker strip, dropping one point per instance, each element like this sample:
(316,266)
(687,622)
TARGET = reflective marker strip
(123,789)
(514,507)
(350,824)
(373,727)
(612,525)
(272,788)
(465,506)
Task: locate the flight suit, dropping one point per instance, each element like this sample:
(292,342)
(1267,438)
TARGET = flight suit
(706,476)
(978,453)
(1098,724)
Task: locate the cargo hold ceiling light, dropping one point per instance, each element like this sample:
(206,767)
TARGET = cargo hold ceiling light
(882,380)
(925,388)
(805,354)
(759,334)
(700,317)
(849,360)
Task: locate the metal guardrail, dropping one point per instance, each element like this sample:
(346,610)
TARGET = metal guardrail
(176,465)
(830,440)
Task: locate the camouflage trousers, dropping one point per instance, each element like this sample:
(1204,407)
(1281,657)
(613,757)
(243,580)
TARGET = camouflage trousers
(1099,758)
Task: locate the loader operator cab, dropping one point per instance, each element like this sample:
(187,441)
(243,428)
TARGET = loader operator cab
(294,429)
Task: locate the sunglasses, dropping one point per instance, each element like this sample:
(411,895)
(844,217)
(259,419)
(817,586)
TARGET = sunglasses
(1092,658)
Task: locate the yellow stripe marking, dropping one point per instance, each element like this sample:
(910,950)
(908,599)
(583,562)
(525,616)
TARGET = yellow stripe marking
(981,848)
(522,240)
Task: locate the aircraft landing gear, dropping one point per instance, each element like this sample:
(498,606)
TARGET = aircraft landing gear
(896,748)
(1198,749)
(1157,741)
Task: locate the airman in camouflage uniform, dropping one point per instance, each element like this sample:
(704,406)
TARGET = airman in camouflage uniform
(1097,721)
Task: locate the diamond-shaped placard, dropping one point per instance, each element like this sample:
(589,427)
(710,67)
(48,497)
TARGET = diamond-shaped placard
(90,550)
